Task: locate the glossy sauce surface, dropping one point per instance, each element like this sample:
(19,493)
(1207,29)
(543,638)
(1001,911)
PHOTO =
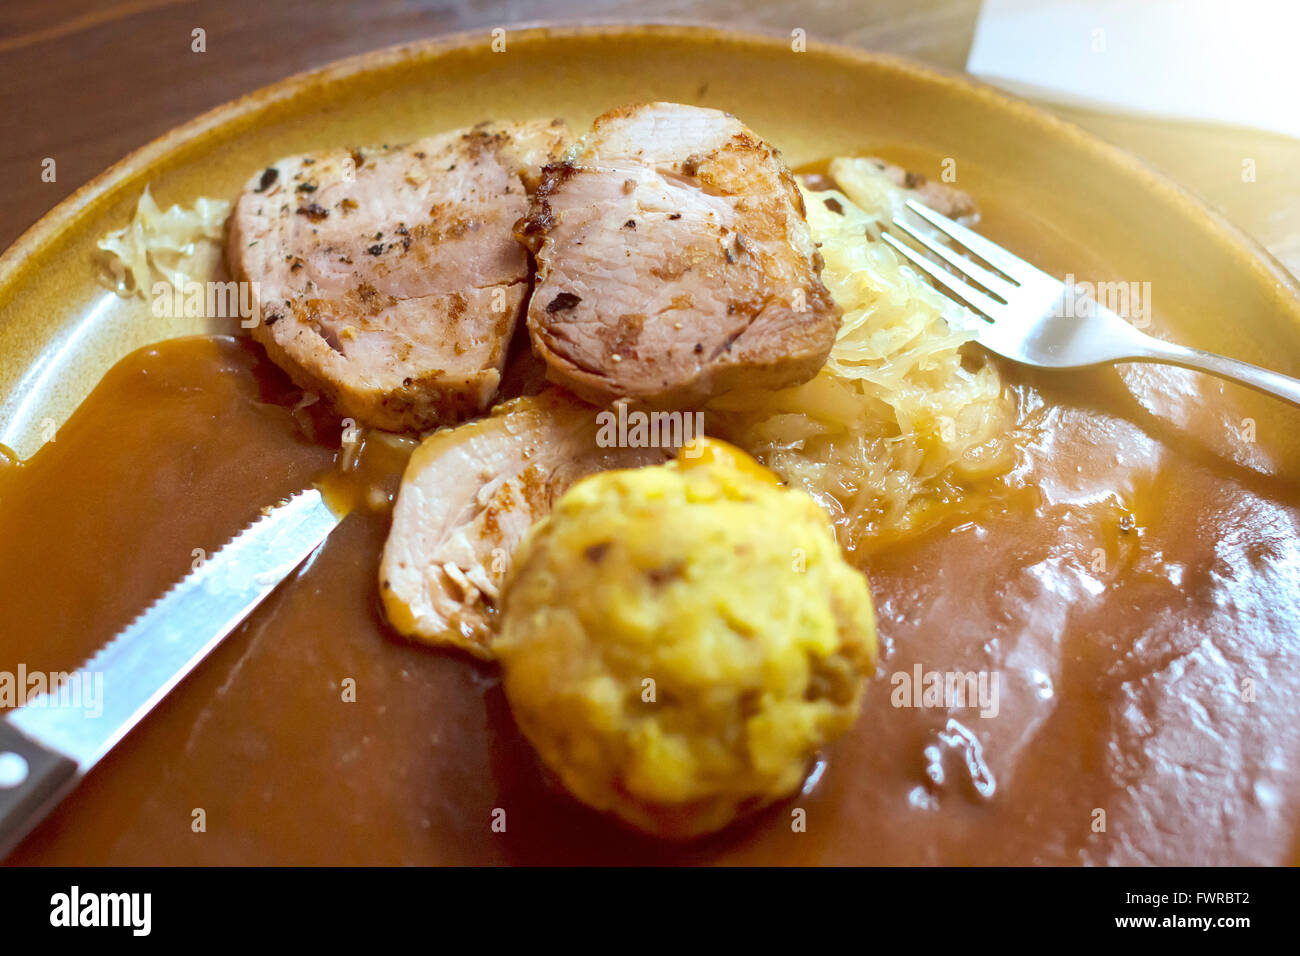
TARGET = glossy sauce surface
(1132,587)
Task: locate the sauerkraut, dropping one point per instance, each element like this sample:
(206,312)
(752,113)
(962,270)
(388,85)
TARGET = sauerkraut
(902,419)
(177,246)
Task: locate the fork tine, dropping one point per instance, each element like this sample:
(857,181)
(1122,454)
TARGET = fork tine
(967,293)
(994,283)
(989,251)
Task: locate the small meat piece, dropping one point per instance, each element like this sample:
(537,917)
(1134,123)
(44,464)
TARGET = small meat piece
(951,202)
(468,496)
(674,263)
(388,279)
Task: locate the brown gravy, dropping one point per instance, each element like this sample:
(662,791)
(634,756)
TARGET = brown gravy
(1136,569)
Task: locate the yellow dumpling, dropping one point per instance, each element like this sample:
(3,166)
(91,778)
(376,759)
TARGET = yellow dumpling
(678,641)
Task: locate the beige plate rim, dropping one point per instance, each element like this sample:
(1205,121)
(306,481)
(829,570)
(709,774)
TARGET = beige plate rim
(27,252)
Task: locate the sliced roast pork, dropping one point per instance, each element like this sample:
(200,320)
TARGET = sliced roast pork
(674,262)
(468,496)
(387,279)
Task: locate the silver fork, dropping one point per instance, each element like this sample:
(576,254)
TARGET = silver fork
(1030,316)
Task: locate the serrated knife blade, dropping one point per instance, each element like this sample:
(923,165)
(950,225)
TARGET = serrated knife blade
(50,743)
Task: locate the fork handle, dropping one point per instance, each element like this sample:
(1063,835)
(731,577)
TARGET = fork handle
(1260,379)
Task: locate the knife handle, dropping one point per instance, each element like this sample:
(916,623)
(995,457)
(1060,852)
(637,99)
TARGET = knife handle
(33,778)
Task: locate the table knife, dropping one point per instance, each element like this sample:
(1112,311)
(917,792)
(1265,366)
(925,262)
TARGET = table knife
(54,739)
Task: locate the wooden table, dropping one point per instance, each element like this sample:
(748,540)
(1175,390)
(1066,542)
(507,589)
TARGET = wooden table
(87,81)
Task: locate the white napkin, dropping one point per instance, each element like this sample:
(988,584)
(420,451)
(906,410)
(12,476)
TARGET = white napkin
(1224,61)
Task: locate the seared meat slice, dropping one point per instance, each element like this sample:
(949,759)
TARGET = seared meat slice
(468,496)
(674,262)
(388,279)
